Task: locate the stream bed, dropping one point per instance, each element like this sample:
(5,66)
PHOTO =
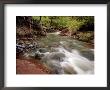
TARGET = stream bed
(63,54)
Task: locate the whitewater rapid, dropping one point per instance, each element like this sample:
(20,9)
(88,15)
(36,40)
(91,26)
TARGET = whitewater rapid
(72,62)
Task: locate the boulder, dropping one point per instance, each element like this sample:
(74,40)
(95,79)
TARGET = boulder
(65,32)
(43,50)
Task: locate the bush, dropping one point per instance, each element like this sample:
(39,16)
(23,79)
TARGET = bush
(73,23)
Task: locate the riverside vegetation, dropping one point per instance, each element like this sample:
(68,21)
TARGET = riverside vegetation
(55,44)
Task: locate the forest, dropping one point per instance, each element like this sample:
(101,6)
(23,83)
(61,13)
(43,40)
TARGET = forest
(54,44)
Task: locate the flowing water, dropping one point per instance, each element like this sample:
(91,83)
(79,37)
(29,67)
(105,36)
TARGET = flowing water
(65,55)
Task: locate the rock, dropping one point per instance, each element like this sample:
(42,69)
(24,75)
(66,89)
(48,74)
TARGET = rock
(32,55)
(52,60)
(28,56)
(38,56)
(65,32)
(57,56)
(19,48)
(24,66)
(42,50)
(54,66)
(88,54)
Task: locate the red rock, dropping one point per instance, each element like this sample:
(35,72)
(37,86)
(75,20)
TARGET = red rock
(65,32)
(30,67)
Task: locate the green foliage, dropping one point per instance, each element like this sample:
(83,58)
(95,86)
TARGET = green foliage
(44,20)
(70,22)
(85,36)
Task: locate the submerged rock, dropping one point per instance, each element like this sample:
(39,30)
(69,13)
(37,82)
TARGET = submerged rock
(88,54)
(43,50)
(52,60)
(54,56)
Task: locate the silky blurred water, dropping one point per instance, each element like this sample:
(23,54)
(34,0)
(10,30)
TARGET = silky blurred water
(71,56)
